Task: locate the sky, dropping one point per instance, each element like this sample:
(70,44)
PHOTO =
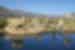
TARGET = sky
(41,6)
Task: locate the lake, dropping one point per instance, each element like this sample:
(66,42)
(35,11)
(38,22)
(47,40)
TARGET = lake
(46,41)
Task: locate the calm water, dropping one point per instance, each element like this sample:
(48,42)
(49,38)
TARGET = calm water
(45,41)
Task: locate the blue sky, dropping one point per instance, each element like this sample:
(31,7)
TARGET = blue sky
(41,6)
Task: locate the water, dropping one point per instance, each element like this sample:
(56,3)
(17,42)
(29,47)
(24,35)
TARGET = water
(71,38)
(45,41)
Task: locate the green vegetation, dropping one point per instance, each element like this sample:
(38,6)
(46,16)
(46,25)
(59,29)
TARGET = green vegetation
(51,24)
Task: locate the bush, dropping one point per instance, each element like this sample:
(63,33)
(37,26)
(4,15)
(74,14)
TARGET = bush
(3,23)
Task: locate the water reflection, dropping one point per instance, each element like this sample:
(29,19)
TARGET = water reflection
(47,40)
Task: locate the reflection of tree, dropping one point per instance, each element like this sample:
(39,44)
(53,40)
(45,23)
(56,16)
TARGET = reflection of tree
(54,33)
(67,41)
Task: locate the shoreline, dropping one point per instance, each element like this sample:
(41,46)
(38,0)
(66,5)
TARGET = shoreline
(69,31)
(52,31)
